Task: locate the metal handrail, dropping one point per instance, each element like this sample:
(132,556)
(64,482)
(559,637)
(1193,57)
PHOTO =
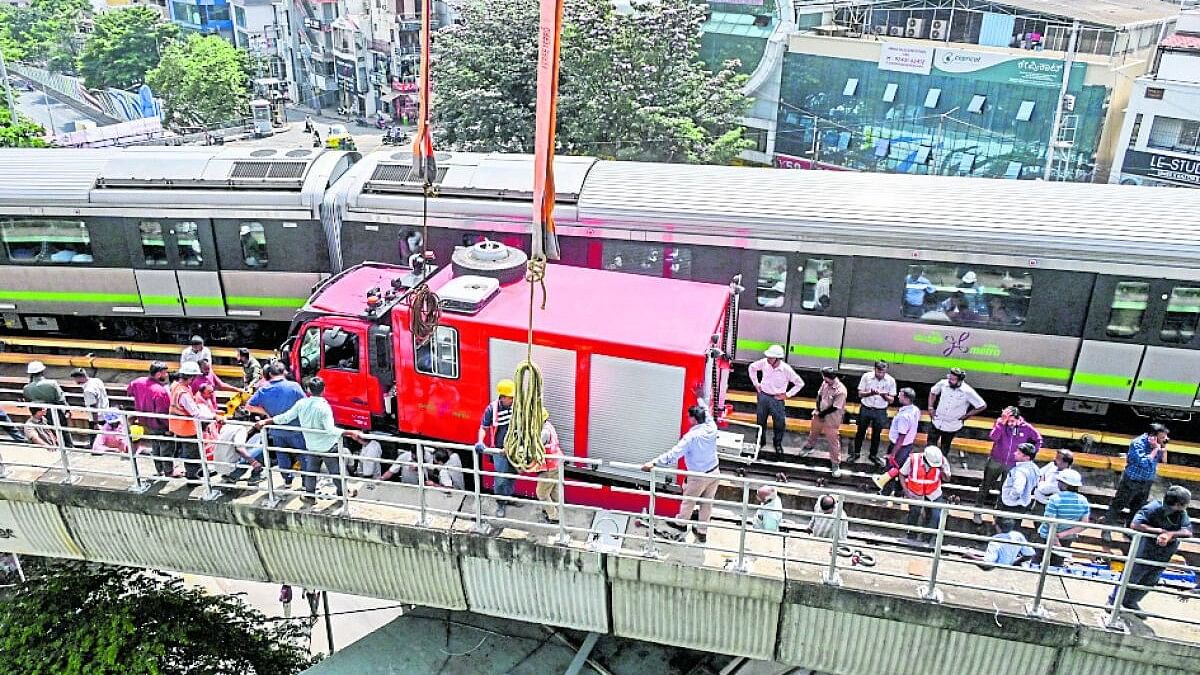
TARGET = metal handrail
(563,532)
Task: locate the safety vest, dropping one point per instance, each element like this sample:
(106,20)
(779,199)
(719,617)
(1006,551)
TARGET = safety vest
(924,480)
(180,427)
(553,450)
(497,421)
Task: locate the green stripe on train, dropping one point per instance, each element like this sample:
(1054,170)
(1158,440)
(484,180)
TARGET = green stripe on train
(70,296)
(251,301)
(155,300)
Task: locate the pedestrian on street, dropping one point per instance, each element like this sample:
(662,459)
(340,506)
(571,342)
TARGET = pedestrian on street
(195,352)
(769,514)
(316,138)
(951,402)
(1009,432)
(923,475)
(547,473)
(308,124)
(186,414)
(1068,505)
(150,395)
(493,429)
(698,448)
(1048,477)
(902,435)
(252,370)
(276,397)
(775,382)
(1146,452)
(44,390)
(876,391)
(321,436)
(1166,522)
(1017,492)
(95,394)
(827,418)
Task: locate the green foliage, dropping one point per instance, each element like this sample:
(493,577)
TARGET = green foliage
(75,618)
(123,46)
(202,81)
(631,85)
(23,134)
(43,33)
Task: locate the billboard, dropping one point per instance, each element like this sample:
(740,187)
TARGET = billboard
(1005,68)
(1161,169)
(903,58)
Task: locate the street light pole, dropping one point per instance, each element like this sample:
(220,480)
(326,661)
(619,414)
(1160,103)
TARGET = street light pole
(12,108)
(49,110)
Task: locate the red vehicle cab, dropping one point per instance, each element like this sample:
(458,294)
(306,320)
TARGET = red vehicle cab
(622,355)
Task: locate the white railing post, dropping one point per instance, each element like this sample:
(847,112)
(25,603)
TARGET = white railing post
(1035,608)
(209,493)
(139,486)
(831,576)
(480,526)
(422,516)
(741,566)
(344,486)
(272,498)
(931,592)
(562,538)
(60,434)
(650,549)
(1114,620)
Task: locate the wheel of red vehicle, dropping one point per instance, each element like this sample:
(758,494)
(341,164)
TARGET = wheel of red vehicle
(490,259)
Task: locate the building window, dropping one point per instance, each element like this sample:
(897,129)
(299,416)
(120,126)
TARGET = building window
(1136,130)
(966,163)
(1128,306)
(967,294)
(239,16)
(1013,171)
(1025,112)
(818,284)
(1183,314)
(254,244)
(889,92)
(187,239)
(154,245)
(931,99)
(757,136)
(976,105)
(851,87)
(771,290)
(1172,133)
(922,154)
(340,349)
(439,355)
(47,241)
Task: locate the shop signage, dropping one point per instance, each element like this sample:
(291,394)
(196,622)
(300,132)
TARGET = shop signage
(903,58)
(1175,170)
(1005,68)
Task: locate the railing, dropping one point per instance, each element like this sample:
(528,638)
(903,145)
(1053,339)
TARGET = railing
(737,516)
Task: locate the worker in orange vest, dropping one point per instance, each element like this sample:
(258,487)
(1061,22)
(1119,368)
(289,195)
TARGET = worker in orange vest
(185,411)
(922,476)
(547,473)
(493,429)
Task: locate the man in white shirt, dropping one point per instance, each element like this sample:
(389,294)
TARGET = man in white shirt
(902,434)
(1047,485)
(1017,492)
(876,391)
(775,382)
(951,402)
(195,352)
(95,394)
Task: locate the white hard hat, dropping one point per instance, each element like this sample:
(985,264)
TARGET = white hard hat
(969,278)
(189,368)
(35,367)
(1070,477)
(774,352)
(933,456)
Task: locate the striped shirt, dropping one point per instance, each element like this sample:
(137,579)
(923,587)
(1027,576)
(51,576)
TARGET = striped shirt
(1065,506)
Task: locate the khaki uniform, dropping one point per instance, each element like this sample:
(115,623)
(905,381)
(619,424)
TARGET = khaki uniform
(830,394)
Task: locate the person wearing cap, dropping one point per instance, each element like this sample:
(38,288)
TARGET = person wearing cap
(827,418)
(547,473)
(769,514)
(252,370)
(1017,492)
(95,394)
(698,449)
(1068,505)
(951,402)
(921,477)
(1166,522)
(775,382)
(493,429)
(276,397)
(42,389)
(1141,468)
(973,293)
(1048,477)
(111,437)
(195,351)
(150,395)
(186,414)
(1008,433)
(876,391)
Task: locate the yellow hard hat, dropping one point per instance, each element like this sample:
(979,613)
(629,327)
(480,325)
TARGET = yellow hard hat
(136,431)
(506,388)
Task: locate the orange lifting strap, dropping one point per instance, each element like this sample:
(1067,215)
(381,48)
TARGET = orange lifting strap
(545,244)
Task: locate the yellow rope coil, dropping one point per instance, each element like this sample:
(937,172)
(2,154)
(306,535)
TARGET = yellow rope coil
(523,444)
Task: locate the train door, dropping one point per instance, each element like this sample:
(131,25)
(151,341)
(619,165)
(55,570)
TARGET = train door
(337,351)
(176,270)
(1112,350)
(771,282)
(1170,370)
(818,311)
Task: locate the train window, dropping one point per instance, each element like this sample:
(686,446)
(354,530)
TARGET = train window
(340,349)
(636,258)
(1183,314)
(187,239)
(1128,307)
(818,284)
(254,244)
(772,280)
(967,294)
(679,262)
(310,353)
(439,355)
(154,245)
(38,240)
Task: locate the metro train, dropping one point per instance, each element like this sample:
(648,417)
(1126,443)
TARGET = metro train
(1079,295)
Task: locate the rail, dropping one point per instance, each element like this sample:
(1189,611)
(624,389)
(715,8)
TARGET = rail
(214,465)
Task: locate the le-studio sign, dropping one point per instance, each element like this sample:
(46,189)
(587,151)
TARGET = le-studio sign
(7,533)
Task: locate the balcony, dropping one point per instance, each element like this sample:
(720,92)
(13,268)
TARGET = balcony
(379,46)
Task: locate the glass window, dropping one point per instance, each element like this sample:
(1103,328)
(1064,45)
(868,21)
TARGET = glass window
(1164,132)
(679,262)
(931,99)
(818,284)
(976,105)
(1128,307)
(37,240)
(254,244)
(1183,313)
(648,259)
(889,92)
(340,349)
(154,245)
(967,294)
(1025,112)
(187,237)
(1137,129)
(310,353)
(439,355)
(772,281)
(851,87)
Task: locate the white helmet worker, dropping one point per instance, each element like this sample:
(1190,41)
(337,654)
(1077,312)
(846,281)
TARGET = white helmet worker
(1070,477)
(969,278)
(933,456)
(35,368)
(189,368)
(774,352)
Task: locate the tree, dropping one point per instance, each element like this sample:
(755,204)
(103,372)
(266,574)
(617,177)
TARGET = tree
(202,81)
(23,134)
(123,46)
(74,617)
(43,32)
(631,84)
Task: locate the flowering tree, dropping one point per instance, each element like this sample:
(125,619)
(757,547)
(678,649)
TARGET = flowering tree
(631,86)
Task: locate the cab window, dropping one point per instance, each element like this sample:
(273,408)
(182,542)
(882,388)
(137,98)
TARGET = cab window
(187,237)
(1183,312)
(154,244)
(310,353)
(254,244)
(818,284)
(1128,306)
(439,355)
(771,289)
(653,260)
(340,349)
(967,294)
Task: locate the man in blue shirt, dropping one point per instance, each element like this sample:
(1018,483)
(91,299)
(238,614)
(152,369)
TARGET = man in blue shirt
(276,397)
(916,288)
(1166,522)
(1007,547)
(1068,505)
(698,448)
(1141,468)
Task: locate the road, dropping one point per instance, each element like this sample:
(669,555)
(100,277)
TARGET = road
(41,109)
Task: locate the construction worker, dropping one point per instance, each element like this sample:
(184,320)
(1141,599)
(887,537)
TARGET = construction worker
(493,429)
(547,473)
(698,448)
(922,476)
(185,412)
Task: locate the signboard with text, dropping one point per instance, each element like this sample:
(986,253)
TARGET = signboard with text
(903,58)
(1004,68)
(1180,171)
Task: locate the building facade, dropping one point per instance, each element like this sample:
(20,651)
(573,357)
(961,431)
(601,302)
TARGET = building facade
(1161,134)
(207,17)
